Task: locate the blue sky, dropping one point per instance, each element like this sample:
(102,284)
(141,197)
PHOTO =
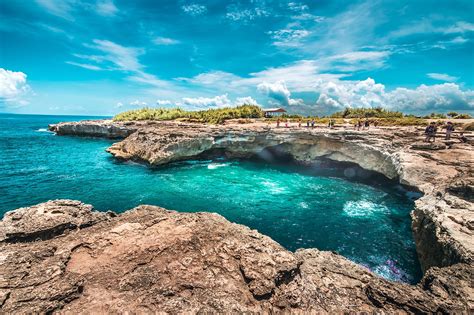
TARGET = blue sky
(101,57)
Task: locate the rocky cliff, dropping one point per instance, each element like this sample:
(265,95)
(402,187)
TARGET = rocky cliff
(443,227)
(63,256)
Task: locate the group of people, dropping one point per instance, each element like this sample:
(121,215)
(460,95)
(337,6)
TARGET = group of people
(309,123)
(331,123)
(364,125)
(432,129)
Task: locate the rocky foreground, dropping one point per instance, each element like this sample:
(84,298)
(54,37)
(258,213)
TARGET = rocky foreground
(63,256)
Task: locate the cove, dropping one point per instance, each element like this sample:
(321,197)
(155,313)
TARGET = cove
(366,220)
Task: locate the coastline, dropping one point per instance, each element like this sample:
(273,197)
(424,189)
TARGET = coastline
(442,219)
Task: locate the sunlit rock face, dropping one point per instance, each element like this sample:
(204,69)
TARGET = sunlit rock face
(150,259)
(442,219)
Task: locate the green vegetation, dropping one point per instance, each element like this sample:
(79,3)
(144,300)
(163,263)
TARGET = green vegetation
(377,112)
(456,115)
(212,116)
(435,116)
(244,113)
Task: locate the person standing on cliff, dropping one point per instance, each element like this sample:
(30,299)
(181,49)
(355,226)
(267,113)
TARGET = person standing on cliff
(449,130)
(278,122)
(430,132)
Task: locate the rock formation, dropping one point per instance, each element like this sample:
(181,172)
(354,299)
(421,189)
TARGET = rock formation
(150,259)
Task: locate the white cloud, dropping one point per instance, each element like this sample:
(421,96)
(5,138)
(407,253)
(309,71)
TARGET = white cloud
(119,105)
(288,37)
(337,94)
(85,66)
(426,26)
(194,9)
(114,57)
(297,6)
(459,28)
(247,100)
(207,102)
(279,92)
(438,97)
(121,57)
(138,103)
(66,8)
(106,7)
(13,87)
(165,41)
(58,8)
(442,77)
(238,13)
(164,102)
(355,61)
(198,103)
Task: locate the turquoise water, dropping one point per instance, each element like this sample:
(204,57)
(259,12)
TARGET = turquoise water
(298,207)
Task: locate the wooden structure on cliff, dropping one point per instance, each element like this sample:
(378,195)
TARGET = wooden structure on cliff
(270,112)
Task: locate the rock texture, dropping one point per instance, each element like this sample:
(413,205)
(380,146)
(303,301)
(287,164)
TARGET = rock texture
(149,259)
(396,153)
(93,128)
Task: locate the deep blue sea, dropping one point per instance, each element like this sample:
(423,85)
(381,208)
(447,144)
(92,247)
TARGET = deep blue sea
(296,206)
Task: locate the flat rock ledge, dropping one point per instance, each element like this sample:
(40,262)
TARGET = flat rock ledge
(149,259)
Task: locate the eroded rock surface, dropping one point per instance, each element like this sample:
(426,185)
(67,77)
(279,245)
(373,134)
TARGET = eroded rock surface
(394,152)
(149,259)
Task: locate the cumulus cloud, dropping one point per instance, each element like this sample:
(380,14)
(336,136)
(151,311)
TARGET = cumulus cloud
(442,77)
(245,101)
(119,105)
(198,103)
(335,95)
(207,102)
(13,87)
(279,92)
(438,97)
(194,9)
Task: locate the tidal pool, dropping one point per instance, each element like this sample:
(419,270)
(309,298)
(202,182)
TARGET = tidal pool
(364,218)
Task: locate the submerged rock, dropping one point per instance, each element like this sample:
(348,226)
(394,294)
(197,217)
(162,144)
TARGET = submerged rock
(149,259)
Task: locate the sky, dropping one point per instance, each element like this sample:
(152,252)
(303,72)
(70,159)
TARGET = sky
(101,57)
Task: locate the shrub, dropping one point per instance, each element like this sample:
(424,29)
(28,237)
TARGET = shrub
(452,114)
(435,116)
(463,116)
(213,116)
(377,112)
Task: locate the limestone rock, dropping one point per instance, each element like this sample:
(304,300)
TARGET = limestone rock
(149,259)
(47,220)
(428,146)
